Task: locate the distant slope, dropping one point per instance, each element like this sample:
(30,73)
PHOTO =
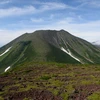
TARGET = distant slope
(48,46)
(97,44)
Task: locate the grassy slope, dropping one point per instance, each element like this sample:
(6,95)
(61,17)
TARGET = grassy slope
(13,56)
(45,46)
(36,50)
(64,80)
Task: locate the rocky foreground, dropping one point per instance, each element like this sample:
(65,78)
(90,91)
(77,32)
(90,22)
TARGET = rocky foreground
(51,82)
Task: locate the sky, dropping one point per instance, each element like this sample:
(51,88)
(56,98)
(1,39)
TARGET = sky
(79,17)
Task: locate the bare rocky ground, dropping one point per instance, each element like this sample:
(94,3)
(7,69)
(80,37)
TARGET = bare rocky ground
(51,82)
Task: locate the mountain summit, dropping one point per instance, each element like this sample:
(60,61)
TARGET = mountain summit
(48,46)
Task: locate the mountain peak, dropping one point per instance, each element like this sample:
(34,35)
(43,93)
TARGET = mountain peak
(62,30)
(46,46)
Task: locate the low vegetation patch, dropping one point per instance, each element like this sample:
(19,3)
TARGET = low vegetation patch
(94,96)
(45,77)
(66,82)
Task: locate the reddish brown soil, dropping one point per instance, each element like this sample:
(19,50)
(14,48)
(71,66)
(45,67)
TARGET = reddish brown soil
(33,94)
(67,80)
(82,92)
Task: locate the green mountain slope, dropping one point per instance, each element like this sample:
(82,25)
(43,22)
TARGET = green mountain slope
(48,46)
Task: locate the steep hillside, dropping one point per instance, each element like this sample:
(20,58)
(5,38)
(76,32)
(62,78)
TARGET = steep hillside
(48,46)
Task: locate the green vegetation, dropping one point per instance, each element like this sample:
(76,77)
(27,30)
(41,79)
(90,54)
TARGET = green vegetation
(64,80)
(1,98)
(94,96)
(45,46)
(46,77)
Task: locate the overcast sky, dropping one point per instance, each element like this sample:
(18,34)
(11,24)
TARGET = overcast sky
(79,17)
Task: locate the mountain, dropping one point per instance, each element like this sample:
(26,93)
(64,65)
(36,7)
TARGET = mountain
(97,44)
(48,46)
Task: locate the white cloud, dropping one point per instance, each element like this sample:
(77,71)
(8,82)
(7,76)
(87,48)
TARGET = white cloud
(37,20)
(94,4)
(89,31)
(89,3)
(5,2)
(66,20)
(13,11)
(54,5)
(16,11)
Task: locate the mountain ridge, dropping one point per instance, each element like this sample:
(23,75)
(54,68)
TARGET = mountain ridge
(48,46)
